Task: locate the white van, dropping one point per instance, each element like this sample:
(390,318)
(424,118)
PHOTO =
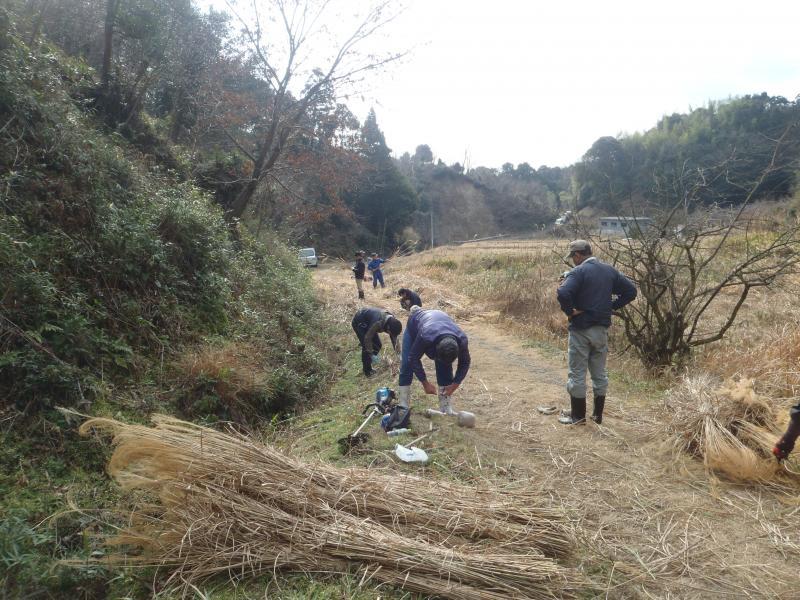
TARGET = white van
(308,257)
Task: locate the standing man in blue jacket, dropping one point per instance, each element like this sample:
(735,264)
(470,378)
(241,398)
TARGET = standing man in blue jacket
(374,266)
(434,334)
(588,296)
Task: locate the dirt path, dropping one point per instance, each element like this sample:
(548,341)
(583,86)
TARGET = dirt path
(648,526)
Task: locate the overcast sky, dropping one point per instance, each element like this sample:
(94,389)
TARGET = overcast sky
(497,81)
(539,82)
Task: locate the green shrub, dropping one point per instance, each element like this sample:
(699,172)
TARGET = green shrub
(112,271)
(104,261)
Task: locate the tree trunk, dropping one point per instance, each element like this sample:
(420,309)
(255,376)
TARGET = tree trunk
(108,38)
(37,25)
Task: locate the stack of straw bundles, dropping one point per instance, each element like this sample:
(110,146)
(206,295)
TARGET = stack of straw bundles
(229,505)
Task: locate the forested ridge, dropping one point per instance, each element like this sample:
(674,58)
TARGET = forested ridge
(159,167)
(276,144)
(723,148)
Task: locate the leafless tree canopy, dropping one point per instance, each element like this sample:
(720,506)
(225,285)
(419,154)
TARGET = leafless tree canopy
(279,36)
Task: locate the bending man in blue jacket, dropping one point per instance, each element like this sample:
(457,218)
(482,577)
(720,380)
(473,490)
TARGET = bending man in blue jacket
(586,297)
(434,334)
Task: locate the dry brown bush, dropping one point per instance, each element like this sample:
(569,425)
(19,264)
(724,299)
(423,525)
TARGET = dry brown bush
(727,426)
(225,381)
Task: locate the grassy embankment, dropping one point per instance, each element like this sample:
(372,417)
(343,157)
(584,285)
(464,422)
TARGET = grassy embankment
(122,296)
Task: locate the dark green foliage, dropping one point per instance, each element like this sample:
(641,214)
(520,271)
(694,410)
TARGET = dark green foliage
(38,467)
(28,560)
(605,175)
(718,152)
(384,198)
(108,264)
(113,268)
(423,154)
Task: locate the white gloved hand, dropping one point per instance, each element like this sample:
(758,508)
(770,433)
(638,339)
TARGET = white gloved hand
(375,360)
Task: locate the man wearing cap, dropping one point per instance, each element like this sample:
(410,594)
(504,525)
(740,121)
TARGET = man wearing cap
(358,273)
(434,334)
(374,266)
(368,323)
(588,296)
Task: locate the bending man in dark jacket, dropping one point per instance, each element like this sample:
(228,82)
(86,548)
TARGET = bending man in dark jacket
(586,297)
(368,323)
(409,298)
(434,334)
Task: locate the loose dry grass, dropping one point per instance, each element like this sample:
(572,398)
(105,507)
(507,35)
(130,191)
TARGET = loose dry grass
(231,371)
(729,427)
(517,281)
(768,353)
(228,505)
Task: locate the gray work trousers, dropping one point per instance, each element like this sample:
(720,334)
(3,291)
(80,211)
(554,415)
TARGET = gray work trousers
(588,348)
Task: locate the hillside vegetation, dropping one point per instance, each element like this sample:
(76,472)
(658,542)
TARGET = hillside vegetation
(122,294)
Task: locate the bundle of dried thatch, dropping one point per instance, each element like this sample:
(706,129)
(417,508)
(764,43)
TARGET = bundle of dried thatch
(230,505)
(728,426)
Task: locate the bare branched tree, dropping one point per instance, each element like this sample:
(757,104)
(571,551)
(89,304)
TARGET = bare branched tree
(295,49)
(695,265)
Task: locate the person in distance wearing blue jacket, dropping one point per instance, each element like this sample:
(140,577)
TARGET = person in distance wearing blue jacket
(374,266)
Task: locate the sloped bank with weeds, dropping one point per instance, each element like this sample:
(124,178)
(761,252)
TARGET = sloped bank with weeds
(122,294)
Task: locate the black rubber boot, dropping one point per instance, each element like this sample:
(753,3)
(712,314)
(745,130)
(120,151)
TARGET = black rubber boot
(599,405)
(360,295)
(577,416)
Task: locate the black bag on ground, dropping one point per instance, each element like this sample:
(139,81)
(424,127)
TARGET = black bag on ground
(398,417)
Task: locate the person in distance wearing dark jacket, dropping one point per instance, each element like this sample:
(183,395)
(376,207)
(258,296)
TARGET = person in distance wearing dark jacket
(588,296)
(408,298)
(368,323)
(358,273)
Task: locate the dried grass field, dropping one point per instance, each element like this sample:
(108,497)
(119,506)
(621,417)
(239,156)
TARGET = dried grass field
(653,513)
